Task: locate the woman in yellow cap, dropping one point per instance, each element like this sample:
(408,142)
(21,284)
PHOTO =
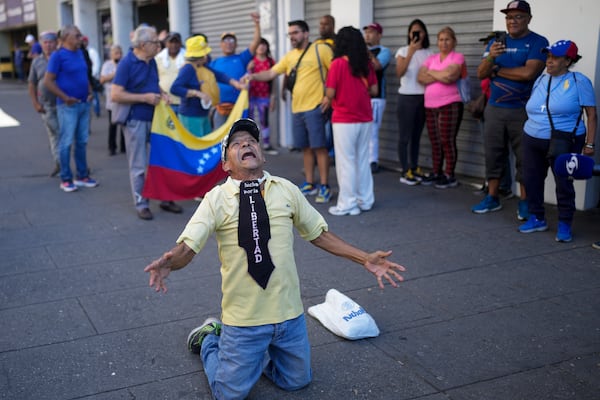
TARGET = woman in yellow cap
(196,94)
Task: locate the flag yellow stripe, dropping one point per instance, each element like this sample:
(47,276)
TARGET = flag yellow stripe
(163,113)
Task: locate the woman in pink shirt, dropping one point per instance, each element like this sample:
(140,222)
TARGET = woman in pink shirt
(443,106)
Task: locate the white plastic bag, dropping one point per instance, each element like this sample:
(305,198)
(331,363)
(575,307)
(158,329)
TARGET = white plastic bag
(344,317)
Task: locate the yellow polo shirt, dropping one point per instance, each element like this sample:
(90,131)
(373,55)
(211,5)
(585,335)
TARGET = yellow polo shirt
(244,302)
(310,82)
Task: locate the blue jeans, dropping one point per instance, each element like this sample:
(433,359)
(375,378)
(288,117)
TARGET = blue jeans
(234,361)
(74,125)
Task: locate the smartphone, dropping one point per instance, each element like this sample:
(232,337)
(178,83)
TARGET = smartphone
(501,38)
(415,36)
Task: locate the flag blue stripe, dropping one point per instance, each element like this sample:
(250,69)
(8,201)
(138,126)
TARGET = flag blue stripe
(173,155)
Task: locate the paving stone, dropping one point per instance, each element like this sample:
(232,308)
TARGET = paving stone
(43,324)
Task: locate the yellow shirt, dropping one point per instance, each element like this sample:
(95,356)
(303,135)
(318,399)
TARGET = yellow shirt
(167,75)
(244,302)
(310,81)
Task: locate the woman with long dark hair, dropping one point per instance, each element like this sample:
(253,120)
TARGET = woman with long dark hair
(411,106)
(351,82)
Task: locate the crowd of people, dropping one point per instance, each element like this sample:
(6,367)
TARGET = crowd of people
(202,90)
(336,85)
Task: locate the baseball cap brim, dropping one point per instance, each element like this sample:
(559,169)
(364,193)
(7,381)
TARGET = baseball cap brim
(241,125)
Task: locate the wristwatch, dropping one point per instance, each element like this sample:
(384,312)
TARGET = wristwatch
(590,145)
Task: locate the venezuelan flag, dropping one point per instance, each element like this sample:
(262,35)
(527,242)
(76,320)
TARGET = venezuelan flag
(183,166)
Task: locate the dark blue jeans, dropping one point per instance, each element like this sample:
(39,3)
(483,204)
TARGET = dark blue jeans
(74,128)
(535,170)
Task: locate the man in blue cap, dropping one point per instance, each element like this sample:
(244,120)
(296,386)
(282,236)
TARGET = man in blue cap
(512,62)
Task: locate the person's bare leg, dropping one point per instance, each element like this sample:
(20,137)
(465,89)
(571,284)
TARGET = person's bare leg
(493,185)
(323,164)
(309,165)
(523,193)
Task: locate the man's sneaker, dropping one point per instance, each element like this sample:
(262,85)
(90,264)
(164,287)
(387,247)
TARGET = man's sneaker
(324,194)
(418,174)
(409,179)
(523,210)
(335,210)
(429,179)
(596,245)
(68,186)
(564,232)
(210,326)
(308,189)
(488,204)
(86,182)
(270,150)
(374,167)
(445,182)
(505,194)
(533,225)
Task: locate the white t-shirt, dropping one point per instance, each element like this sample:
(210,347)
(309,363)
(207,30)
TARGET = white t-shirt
(408,82)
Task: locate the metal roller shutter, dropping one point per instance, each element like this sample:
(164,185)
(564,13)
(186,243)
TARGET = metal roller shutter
(470,19)
(314,10)
(212,18)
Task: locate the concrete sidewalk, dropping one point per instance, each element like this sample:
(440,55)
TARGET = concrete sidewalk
(485,312)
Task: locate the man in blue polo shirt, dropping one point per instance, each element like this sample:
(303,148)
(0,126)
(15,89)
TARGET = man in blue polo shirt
(233,65)
(136,83)
(512,62)
(66,77)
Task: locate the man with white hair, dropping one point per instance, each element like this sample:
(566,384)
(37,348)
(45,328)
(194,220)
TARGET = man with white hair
(44,101)
(136,83)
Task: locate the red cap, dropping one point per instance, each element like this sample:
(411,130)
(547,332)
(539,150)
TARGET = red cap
(375,26)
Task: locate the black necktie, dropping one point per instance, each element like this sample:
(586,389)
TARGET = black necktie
(254,232)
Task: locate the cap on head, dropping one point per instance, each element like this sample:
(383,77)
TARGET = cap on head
(173,37)
(29,38)
(228,34)
(519,5)
(487,38)
(48,35)
(563,48)
(196,47)
(375,26)
(245,125)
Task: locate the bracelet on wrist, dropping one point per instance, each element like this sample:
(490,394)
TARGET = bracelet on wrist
(590,145)
(489,59)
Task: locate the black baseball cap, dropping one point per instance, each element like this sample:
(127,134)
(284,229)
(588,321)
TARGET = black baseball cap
(245,125)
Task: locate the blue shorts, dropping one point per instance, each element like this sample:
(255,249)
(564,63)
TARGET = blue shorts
(308,129)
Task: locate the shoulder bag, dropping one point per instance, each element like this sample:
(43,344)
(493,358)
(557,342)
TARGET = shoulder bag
(560,141)
(120,111)
(290,79)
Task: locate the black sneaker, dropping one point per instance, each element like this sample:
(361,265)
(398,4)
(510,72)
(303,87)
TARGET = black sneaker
(505,194)
(409,179)
(197,335)
(429,179)
(445,182)
(374,167)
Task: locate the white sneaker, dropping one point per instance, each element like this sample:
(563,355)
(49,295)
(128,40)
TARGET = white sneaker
(335,210)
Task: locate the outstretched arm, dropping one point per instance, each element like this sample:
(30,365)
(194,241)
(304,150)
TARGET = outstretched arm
(174,259)
(376,262)
(256,37)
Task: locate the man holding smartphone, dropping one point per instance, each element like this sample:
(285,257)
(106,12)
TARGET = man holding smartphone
(512,61)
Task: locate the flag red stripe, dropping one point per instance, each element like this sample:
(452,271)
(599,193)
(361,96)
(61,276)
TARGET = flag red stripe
(167,184)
